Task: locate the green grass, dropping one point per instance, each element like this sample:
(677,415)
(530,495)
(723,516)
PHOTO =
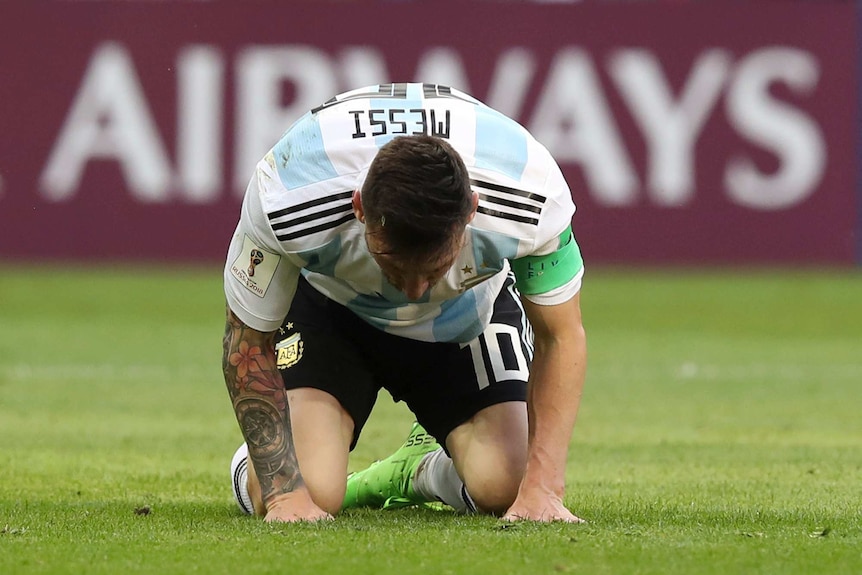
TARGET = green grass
(720,432)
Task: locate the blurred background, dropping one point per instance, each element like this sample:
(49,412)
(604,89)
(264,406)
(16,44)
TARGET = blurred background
(712,148)
(691,132)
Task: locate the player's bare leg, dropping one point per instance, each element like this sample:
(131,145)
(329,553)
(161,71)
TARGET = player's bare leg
(322,432)
(489,453)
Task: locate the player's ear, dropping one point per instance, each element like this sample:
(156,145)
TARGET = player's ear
(475,200)
(357,207)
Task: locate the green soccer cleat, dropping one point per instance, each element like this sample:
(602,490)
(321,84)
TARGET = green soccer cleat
(388,483)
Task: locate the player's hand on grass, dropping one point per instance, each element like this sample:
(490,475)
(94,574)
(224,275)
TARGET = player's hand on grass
(293,507)
(539,506)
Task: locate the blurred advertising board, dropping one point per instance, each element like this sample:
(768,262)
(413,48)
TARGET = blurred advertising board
(690,133)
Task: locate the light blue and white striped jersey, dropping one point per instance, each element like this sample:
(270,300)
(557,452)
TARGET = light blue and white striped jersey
(297,215)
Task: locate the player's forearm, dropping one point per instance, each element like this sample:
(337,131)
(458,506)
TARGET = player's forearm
(260,402)
(556,383)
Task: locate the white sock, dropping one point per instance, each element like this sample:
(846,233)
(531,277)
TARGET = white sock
(239,479)
(437,480)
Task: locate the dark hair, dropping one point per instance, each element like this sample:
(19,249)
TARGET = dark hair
(417,196)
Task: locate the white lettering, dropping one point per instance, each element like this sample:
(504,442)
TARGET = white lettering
(361,66)
(109,119)
(670,128)
(443,66)
(780,128)
(261,117)
(200,112)
(512,78)
(574,121)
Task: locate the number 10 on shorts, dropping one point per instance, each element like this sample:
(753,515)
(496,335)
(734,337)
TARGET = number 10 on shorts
(501,341)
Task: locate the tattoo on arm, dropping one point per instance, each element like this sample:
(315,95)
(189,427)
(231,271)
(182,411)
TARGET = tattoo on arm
(260,403)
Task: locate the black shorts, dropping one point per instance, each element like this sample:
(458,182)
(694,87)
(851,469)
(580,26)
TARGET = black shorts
(324,345)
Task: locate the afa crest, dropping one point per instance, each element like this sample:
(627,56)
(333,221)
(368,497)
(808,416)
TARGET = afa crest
(289,351)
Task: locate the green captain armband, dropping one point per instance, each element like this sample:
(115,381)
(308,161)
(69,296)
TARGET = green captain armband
(541,274)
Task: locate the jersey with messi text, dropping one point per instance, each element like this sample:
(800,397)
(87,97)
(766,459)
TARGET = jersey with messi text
(297,216)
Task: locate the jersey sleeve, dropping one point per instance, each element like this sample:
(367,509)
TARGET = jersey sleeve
(259,278)
(552,273)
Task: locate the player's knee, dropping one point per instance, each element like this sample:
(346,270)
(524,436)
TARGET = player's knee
(328,497)
(329,500)
(326,485)
(493,495)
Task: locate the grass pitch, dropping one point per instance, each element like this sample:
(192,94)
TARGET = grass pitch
(720,432)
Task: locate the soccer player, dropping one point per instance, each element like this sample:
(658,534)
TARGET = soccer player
(405,237)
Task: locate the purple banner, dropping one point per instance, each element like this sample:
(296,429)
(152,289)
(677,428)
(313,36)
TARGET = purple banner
(690,133)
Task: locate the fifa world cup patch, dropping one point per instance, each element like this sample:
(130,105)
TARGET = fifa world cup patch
(288,351)
(255,267)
